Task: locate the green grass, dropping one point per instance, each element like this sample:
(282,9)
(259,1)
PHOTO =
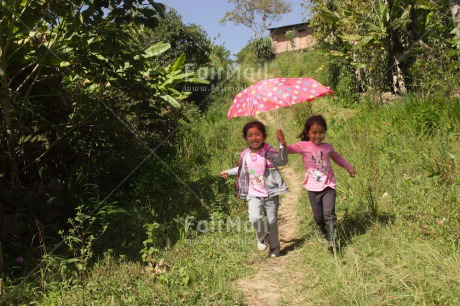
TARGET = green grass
(384,266)
(200,271)
(398,220)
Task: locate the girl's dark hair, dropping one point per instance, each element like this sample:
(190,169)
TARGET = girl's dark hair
(318,119)
(257,124)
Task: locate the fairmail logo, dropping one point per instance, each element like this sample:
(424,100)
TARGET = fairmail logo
(224,73)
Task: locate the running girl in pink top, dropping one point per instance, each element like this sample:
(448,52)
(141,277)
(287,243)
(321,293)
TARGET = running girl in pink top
(259,181)
(319,177)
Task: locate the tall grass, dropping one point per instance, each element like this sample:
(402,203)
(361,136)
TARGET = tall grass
(399,214)
(195,272)
(382,267)
(399,219)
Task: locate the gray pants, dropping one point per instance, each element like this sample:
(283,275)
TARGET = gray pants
(256,207)
(323,207)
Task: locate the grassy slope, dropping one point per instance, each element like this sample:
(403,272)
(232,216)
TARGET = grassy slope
(398,219)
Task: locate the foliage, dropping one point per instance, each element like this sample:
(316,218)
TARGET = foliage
(216,73)
(77,87)
(257,15)
(189,39)
(246,56)
(193,274)
(404,156)
(37,37)
(80,240)
(200,268)
(220,56)
(263,50)
(383,39)
(291,35)
(404,198)
(151,245)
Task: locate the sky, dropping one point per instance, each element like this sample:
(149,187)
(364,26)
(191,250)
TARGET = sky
(208,13)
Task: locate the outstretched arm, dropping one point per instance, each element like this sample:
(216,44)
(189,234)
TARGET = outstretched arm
(229,172)
(339,160)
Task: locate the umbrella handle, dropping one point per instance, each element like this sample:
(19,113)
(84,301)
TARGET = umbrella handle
(279,127)
(278,117)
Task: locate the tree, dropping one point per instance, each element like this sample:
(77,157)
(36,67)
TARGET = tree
(55,49)
(189,39)
(383,38)
(257,15)
(82,103)
(36,35)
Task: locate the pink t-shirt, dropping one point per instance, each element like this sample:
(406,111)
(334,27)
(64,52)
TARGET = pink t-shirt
(256,168)
(316,158)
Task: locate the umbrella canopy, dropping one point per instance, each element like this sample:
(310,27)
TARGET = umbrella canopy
(274,93)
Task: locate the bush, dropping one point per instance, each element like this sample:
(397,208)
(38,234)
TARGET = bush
(263,49)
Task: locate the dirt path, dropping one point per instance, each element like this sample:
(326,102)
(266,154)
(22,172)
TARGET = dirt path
(274,279)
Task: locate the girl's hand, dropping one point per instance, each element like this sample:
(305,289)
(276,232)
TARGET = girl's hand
(280,136)
(224,174)
(352,173)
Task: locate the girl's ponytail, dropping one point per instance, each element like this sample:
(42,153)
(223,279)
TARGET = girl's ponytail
(304,136)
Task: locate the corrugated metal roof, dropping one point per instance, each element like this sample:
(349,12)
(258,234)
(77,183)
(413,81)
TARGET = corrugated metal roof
(290,25)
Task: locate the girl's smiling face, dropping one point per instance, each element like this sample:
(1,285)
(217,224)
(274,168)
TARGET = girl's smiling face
(316,133)
(255,139)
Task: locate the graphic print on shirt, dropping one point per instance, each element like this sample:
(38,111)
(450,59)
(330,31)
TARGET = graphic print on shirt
(257,180)
(319,166)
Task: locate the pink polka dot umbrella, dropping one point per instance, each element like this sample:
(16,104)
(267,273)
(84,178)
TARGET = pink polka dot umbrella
(275,93)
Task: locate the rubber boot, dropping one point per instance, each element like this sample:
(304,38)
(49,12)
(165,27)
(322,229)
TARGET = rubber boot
(331,237)
(323,230)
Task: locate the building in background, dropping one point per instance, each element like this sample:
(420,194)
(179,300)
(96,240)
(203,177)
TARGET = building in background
(292,37)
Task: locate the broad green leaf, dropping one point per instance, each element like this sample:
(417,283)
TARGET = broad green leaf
(403,20)
(179,64)
(156,49)
(328,17)
(328,14)
(425,6)
(373,27)
(363,42)
(383,11)
(181,78)
(98,56)
(170,100)
(351,37)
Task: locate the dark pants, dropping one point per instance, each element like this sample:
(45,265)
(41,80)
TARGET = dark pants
(323,207)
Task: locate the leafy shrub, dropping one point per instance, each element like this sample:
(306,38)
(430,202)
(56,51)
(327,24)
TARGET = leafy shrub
(263,49)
